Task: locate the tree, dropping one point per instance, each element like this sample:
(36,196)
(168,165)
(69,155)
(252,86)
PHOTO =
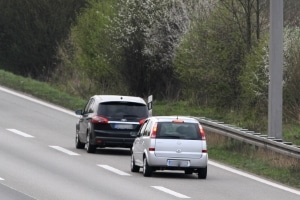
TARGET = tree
(146,34)
(30,31)
(246,14)
(84,57)
(291,87)
(255,77)
(209,60)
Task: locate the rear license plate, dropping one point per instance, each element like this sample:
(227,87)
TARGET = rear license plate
(178,163)
(123,126)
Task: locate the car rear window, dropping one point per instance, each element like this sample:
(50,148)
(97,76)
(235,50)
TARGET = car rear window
(169,130)
(123,109)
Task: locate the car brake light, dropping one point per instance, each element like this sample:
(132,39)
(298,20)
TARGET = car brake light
(151,149)
(154,131)
(202,133)
(177,121)
(99,120)
(142,121)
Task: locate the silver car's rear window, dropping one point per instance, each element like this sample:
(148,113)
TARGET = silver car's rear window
(169,130)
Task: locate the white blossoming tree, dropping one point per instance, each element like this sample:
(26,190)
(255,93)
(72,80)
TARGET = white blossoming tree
(145,34)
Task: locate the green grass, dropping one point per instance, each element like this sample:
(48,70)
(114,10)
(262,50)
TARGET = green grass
(289,175)
(232,153)
(40,90)
(291,131)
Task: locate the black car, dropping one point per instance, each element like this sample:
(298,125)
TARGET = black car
(110,121)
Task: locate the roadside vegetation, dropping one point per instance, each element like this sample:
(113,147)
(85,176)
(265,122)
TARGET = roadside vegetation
(198,58)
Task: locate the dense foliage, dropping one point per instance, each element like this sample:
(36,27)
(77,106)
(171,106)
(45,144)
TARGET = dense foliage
(30,31)
(210,53)
(146,34)
(85,55)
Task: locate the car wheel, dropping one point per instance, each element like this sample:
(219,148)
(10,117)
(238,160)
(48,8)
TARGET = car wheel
(147,170)
(202,173)
(90,148)
(134,168)
(78,143)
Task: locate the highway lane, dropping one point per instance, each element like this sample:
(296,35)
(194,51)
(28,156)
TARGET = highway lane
(11,194)
(38,160)
(44,172)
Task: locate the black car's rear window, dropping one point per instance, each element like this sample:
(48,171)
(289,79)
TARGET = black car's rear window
(171,130)
(124,109)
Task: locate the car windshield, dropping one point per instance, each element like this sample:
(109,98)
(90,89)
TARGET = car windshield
(169,130)
(123,109)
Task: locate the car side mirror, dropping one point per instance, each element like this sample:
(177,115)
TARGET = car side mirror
(78,112)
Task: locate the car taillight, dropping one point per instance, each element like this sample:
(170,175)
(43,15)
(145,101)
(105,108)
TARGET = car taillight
(151,149)
(154,131)
(142,121)
(202,133)
(99,120)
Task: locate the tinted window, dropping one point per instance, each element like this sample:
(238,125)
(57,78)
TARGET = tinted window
(178,130)
(89,106)
(124,109)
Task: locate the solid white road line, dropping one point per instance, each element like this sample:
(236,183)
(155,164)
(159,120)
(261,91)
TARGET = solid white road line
(20,133)
(114,170)
(166,190)
(38,101)
(71,153)
(254,177)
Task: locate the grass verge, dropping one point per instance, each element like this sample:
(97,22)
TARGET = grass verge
(40,90)
(237,154)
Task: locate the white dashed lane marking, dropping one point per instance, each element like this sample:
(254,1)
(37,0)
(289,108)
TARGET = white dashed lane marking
(20,133)
(66,151)
(171,192)
(1,179)
(114,170)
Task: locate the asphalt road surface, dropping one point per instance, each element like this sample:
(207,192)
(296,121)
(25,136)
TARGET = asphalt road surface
(38,160)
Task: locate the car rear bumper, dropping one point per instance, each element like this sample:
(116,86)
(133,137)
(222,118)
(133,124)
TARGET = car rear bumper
(105,138)
(113,142)
(193,162)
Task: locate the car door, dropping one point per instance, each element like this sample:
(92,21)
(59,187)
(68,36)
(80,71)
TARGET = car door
(138,143)
(85,119)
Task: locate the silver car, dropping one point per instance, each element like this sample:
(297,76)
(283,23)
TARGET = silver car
(170,143)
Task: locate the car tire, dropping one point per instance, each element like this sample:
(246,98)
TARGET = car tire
(147,170)
(202,173)
(134,168)
(78,143)
(90,148)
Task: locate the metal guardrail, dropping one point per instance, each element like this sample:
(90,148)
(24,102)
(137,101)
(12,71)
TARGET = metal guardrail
(251,137)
